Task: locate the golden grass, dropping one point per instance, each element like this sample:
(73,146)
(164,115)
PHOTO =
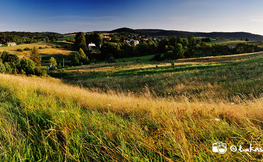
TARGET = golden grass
(186,128)
(44,51)
(122,103)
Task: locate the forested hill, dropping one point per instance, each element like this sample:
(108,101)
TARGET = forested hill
(184,34)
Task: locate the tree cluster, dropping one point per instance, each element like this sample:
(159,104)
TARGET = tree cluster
(10,63)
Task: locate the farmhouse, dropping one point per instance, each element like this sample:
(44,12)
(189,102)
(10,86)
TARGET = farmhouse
(91,45)
(11,44)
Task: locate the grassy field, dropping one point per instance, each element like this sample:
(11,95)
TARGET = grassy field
(65,50)
(135,111)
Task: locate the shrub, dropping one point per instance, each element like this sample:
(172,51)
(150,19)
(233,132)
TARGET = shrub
(61,70)
(20,50)
(27,65)
(52,62)
(58,46)
(157,57)
(2,68)
(172,63)
(27,49)
(40,47)
(8,68)
(39,72)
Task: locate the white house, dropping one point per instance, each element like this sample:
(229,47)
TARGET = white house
(11,44)
(91,45)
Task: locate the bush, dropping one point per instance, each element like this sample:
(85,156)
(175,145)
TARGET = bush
(20,50)
(27,49)
(58,46)
(172,63)
(2,68)
(27,65)
(39,72)
(157,57)
(61,70)
(40,47)
(8,68)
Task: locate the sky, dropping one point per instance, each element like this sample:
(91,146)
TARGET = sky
(68,16)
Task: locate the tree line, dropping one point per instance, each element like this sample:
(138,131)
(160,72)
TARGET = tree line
(27,37)
(173,48)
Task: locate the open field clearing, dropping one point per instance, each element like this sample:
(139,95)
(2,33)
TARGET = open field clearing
(46,120)
(45,51)
(209,78)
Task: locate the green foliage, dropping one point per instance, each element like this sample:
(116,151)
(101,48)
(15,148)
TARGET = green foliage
(75,58)
(20,50)
(27,65)
(206,39)
(157,57)
(11,58)
(80,41)
(2,68)
(247,39)
(35,56)
(245,48)
(191,40)
(94,38)
(39,72)
(27,49)
(52,62)
(8,68)
(83,58)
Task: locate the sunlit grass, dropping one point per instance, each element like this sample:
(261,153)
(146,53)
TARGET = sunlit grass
(44,119)
(45,51)
(159,114)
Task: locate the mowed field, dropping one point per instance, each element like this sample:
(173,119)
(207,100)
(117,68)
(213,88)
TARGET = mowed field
(66,48)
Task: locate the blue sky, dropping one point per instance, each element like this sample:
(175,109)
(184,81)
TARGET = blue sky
(65,16)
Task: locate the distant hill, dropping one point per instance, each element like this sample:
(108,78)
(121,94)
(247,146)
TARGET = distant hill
(184,34)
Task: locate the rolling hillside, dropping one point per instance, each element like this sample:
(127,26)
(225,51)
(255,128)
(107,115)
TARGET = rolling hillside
(184,34)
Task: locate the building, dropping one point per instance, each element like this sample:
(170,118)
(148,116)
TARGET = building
(11,44)
(91,45)
(136,42)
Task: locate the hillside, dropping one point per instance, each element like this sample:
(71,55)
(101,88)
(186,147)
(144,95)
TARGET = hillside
(185,34)
(148,113)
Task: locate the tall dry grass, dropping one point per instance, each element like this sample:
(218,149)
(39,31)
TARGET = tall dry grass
(75,124)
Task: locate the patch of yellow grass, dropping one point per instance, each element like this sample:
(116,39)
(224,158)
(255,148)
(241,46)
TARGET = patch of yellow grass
(123,103)
(44,51)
